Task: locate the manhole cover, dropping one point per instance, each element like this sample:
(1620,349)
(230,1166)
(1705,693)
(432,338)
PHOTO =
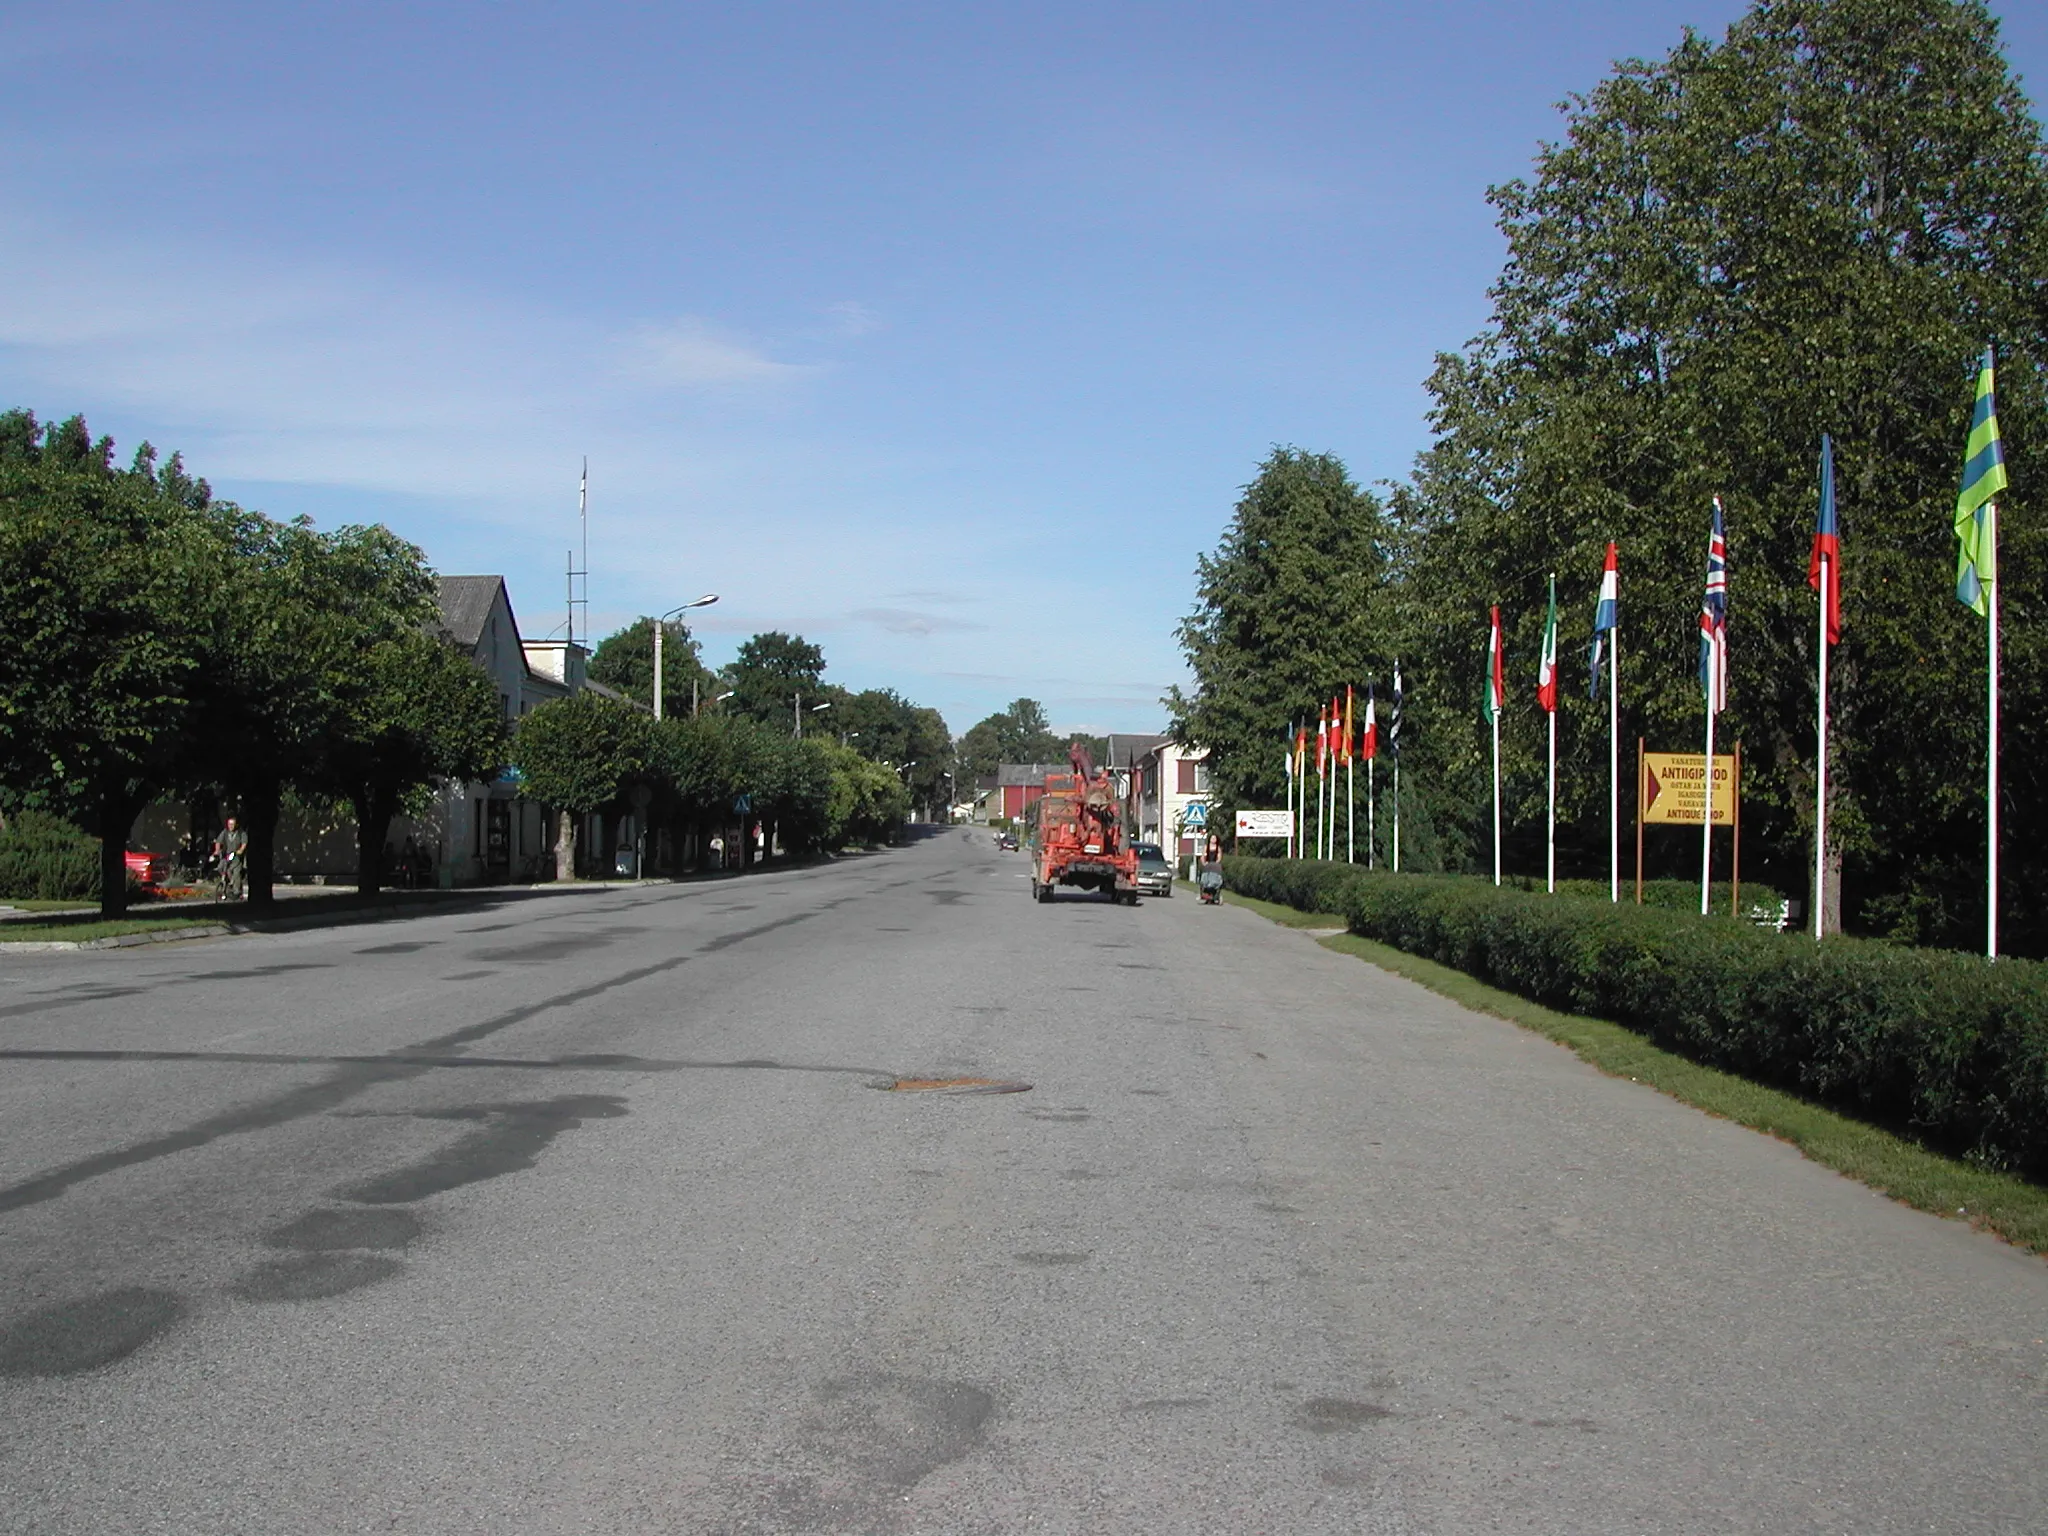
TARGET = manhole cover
(952,1085)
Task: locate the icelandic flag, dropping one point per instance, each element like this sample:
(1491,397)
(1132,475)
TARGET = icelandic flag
(1369,741)
(1827,545)
(1546,664)
(1604,618)
(1714,619)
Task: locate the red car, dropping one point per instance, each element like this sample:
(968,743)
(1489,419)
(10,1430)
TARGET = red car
(148,870)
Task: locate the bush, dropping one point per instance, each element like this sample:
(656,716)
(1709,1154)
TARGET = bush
(1942,1045)
(45,858)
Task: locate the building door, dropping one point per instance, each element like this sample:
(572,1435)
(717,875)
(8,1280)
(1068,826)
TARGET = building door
(497,835)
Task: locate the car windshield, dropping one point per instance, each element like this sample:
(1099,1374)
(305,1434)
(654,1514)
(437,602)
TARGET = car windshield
(1152,858)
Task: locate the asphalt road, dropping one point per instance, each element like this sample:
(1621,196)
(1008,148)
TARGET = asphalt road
(581,1212)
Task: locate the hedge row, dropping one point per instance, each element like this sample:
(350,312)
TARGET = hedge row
(1942,1045)
(43,858)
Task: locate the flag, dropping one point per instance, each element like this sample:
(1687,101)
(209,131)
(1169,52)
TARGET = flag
(1496,673)
(1604,618)
(1322,737)
(1983,478)
(1369,742)
(1827,545)
(1301,752)
(1394,718)
(1546,665)
(1350,704)
(1714,619)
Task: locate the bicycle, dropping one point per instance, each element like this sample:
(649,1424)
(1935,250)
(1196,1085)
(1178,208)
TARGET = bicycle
(231,881)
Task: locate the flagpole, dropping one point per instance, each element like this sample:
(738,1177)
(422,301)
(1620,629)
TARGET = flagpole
(1991,755)
(1820,806)
(1287,773)
(1496,792)
(1371,847)
(1397,810)
(1350,814)
(1552,863)
(1707,811)
(1614,765)
(1322,795)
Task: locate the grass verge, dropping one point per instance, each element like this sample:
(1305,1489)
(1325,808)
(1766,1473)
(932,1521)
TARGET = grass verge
(1903,1170)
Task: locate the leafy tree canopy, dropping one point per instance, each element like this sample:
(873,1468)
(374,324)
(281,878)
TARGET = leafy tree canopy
(770,673)
(625,661)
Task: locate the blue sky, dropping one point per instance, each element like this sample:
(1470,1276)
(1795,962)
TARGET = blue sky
(944,335)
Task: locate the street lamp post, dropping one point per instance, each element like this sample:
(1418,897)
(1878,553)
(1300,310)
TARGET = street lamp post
(659,624)
(801,712)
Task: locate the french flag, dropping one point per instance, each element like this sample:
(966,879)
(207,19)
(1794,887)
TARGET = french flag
(1827,546)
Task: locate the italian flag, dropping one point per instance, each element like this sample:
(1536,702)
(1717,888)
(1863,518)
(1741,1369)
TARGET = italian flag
(1546,666)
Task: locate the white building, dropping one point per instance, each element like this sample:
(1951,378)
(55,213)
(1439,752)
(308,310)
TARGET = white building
(1172,796)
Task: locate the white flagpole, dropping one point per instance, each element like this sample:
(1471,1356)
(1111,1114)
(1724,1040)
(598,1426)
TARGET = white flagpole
(1820,807)
(1991,755)
(1614,764)
(1496,789)
(1322,794)
(1350,815)
(1371,847)
(1287,772)
(1552,861)
(1707,812)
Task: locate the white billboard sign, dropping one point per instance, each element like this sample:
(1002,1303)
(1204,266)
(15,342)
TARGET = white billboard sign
(1265,823)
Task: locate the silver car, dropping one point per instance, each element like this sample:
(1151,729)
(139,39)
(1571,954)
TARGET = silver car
(1155,874)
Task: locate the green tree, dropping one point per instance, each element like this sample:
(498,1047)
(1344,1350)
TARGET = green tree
(579,755)
(417,711)
(1812,226)
(1016,734)
(112,591)
(625,661)
(1294,604)
(770,673)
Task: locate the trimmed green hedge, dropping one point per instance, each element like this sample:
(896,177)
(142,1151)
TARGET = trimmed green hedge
(1944,1045)
(45,858)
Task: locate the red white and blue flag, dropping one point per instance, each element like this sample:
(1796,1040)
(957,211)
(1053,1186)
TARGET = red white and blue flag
(1714,619)
(1827,547)
(1605,616)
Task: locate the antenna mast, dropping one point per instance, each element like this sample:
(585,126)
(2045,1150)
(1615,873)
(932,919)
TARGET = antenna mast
(583,573)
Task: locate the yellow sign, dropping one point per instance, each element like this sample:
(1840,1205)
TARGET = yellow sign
(1674,788)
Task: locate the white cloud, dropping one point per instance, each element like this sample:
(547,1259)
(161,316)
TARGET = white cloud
(689,352)
(906,621)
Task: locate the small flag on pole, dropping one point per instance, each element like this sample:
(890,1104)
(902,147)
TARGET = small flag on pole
(1546,664)
(1394,717)
(1322,738)
(1714,619)
(1496,673)
(1827,546)
(1605,614)
(1983,478)
(1369,742)
(1344,748)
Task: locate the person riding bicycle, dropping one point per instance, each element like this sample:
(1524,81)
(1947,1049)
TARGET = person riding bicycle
(230,850)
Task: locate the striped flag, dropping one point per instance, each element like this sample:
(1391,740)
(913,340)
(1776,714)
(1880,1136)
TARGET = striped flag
(1350,704)
(1827,546)
(1714,619)
(1322,737)
(1496,673)
(1546,664)
(1394,719)
(1369,742)
(1983,478)
(1605,614)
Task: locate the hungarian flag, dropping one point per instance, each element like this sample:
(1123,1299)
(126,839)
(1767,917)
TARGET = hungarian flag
(1983,478)
(1714,619)
(1604,618)
(1496,674)
(1827,546)
(1546,664)
(1369,743)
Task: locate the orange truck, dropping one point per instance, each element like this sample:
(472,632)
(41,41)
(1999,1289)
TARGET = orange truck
(1077,835)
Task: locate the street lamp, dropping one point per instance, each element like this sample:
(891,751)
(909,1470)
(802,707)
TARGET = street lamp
(659,624)
(801,712)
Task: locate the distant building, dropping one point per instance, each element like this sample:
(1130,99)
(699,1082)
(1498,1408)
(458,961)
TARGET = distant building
(1013,787)
(1172,796)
